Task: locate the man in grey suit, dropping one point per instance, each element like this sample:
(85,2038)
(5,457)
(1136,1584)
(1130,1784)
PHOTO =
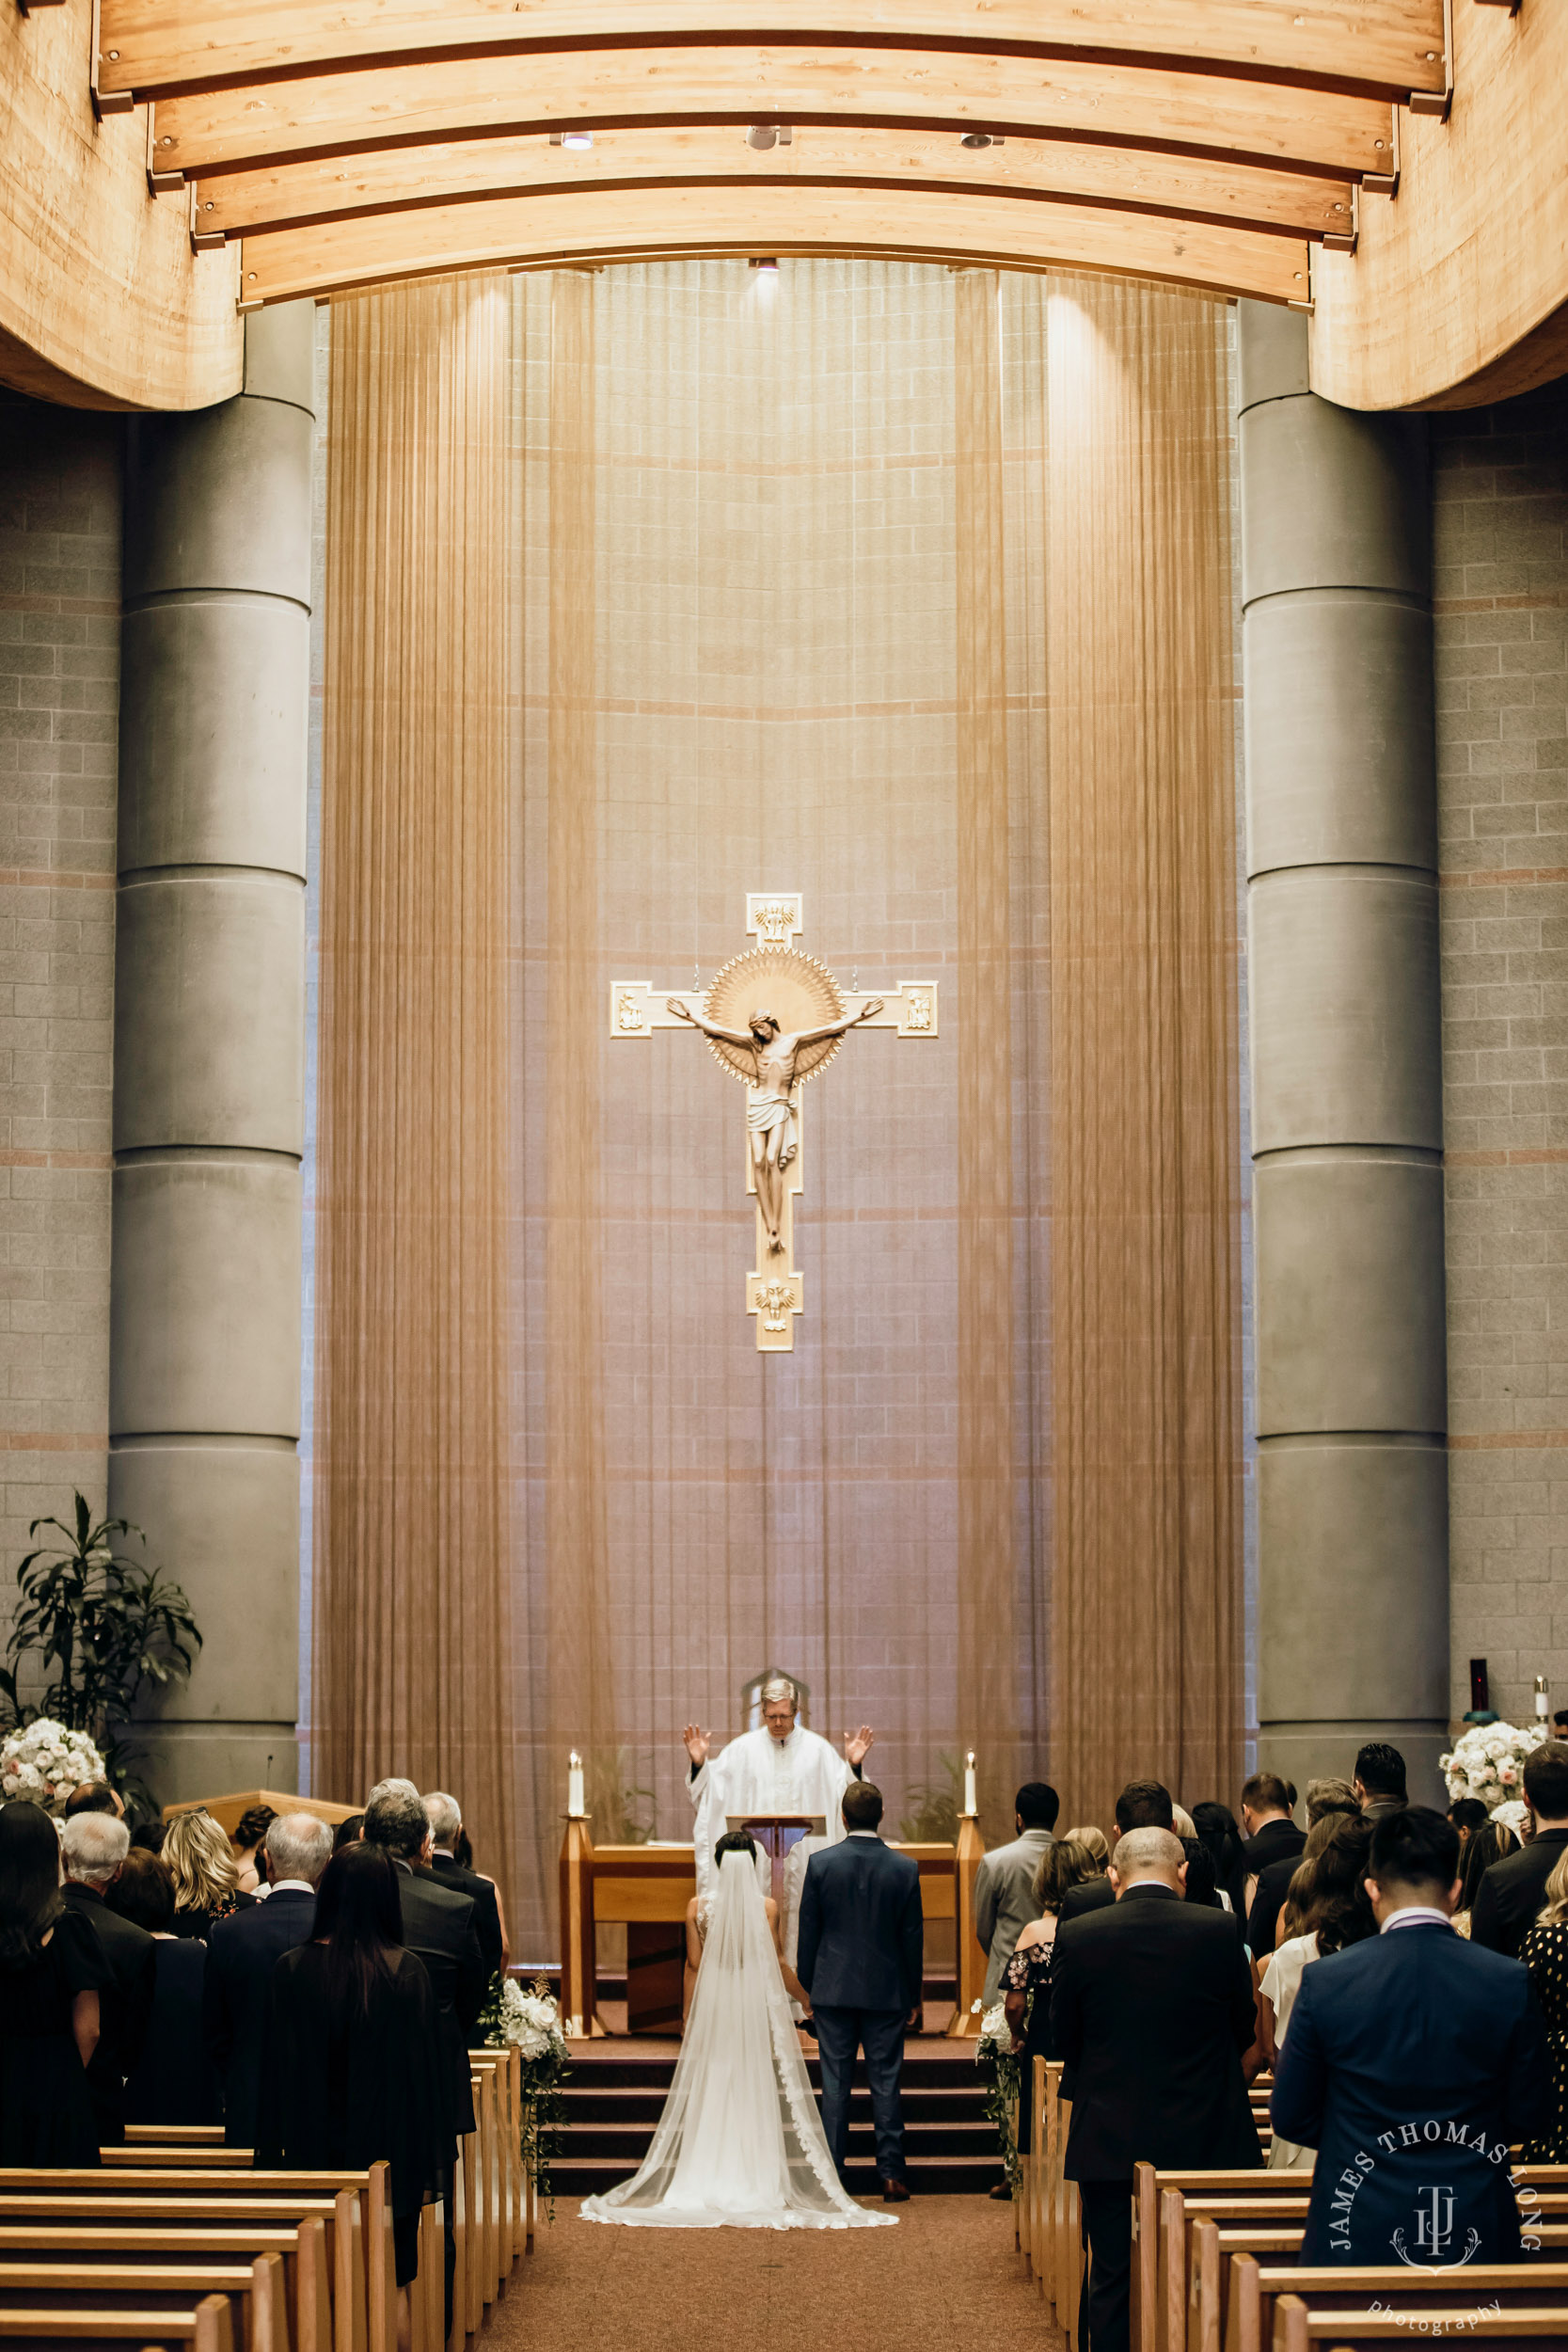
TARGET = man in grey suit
(1004,1883)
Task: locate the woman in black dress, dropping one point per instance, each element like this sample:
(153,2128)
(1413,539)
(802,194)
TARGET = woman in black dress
(1026,1978)
(206,1884)
(1545,1953)
(51,1968)
(173,2081)
(351,2072)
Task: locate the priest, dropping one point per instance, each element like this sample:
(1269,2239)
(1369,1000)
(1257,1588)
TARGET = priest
(783,1767)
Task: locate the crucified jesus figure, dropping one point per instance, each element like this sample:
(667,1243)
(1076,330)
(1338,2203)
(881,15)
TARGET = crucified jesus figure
(771,1100)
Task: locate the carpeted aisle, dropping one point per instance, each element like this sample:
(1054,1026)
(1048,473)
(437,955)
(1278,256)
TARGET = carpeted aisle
(946,2278)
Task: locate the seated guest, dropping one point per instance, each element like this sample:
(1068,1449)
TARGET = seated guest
(243,1952)
(1508,1899)
(244,1846)
(1271,1835)
(1326,1800)
(1217,1827)
(147,1837)
(445,1816)
(1328,1895)
(50,1969)
(1545,1953)
(206,1884)
(1026,1978)
(1408,2062)
(93,1847)
(172,2081)
(1467,1814)
(1005,1882)
(1151,2007)
(1142,1804)
(1379,1782)
(351,2071)
(1484,1846)
(94,1796)
(347,1831)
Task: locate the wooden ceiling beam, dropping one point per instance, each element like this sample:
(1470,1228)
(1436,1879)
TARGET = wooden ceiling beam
(347,114)
(640,224)
(155,48)
(299,195)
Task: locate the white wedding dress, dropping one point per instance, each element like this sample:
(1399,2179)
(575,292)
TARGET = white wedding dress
(740,2141)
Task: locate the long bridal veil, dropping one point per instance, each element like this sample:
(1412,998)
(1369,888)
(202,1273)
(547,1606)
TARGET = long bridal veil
(741,2140)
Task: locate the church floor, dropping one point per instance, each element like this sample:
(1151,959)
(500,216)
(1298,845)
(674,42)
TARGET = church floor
(946,2278)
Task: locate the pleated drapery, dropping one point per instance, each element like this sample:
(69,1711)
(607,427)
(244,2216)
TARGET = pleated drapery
(1146,1591)
(411,1644)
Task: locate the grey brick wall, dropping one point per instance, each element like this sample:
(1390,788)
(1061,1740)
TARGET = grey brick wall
(1500,487)
(59,686)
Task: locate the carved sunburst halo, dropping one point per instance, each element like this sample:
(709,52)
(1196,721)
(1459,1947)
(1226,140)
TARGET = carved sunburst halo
(798,991)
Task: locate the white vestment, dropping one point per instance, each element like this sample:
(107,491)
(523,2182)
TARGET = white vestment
(759,1774)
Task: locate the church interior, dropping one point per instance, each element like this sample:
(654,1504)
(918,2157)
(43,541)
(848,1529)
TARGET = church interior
(1007,559)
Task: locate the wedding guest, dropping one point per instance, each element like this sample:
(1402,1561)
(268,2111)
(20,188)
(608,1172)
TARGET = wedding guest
(206,1884)
(351,2072)
(147,1837)
(1152,2009)
(245,1845)
(1327,1800)
(445,1816)
(1380,1778)
(93,1847)
(1201,1887)
(1182,1824)
(1545,1953)
(1004,1883)
(52,1968)
(1467,1814)
(1026,1979)
(1142,1804)
(1486,1845)
(94,1796)
(1408,2062)
(1271,1835)
(1095,1844)
(347,1831)
(1329,1896)
(1508,1899)
(241,1954)
(1217,1827)
(172,2081)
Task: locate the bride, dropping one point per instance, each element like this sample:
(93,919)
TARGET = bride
(741,2140)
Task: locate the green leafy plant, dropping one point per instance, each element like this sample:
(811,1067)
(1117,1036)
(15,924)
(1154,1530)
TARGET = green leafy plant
(108,1626)
(934,1818)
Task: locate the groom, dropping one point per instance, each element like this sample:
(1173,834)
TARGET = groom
(862,1959)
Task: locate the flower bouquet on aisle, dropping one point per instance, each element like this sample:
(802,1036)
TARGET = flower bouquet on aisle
(997,2060)
(530,2023)
(44,1762)
(1488,1762)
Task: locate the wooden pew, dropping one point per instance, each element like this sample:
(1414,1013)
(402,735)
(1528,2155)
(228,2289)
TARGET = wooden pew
(189,2155)
(303,2251)
(255,2293)
(185,2135)
(1533,2327)
(1255,2289)
(206,2327)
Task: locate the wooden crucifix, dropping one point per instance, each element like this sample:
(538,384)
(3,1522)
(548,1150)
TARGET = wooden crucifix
(774,1016)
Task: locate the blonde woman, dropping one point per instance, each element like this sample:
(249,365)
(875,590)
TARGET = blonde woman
(206,1883)
(1545,1953)
(1095,1844)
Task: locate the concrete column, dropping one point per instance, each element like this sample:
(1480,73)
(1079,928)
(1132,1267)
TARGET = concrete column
(210,1046)
(1346,1094)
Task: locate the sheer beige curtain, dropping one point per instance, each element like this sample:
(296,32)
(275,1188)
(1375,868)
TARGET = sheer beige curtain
(1146,1581)
(411,1504)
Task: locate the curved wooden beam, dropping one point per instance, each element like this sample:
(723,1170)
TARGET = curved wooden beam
(1456,294)
(344,113)
(296,196)
(157,47)
(605,225)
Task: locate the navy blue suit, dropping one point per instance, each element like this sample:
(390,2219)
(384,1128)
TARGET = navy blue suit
(1411,2063)
(241,1954)
(861,1956)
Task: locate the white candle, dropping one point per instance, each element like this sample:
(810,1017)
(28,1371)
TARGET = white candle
(972,1802)
(573,1787)
(1542,1700)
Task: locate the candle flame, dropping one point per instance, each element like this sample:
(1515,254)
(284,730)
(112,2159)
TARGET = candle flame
(574,1759)
(969,1759)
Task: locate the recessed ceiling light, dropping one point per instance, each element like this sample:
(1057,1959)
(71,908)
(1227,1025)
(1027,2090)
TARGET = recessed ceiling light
(763,260)
(572,138)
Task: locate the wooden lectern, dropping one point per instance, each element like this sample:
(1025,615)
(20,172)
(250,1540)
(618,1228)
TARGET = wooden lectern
(776,1833)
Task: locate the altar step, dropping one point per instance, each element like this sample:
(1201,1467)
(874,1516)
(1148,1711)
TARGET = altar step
(616,2090)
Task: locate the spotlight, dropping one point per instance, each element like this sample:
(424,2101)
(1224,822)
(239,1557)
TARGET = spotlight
(975,139)
(764,260)
(572,138)
(763,135)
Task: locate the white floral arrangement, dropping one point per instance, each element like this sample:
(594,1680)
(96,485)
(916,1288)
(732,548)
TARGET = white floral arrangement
(1514,1815)
(996,2030)
(530,2023)
(44,1762)
(1488,1762)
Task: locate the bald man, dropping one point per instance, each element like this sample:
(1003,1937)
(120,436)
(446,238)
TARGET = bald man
(1152,2010)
